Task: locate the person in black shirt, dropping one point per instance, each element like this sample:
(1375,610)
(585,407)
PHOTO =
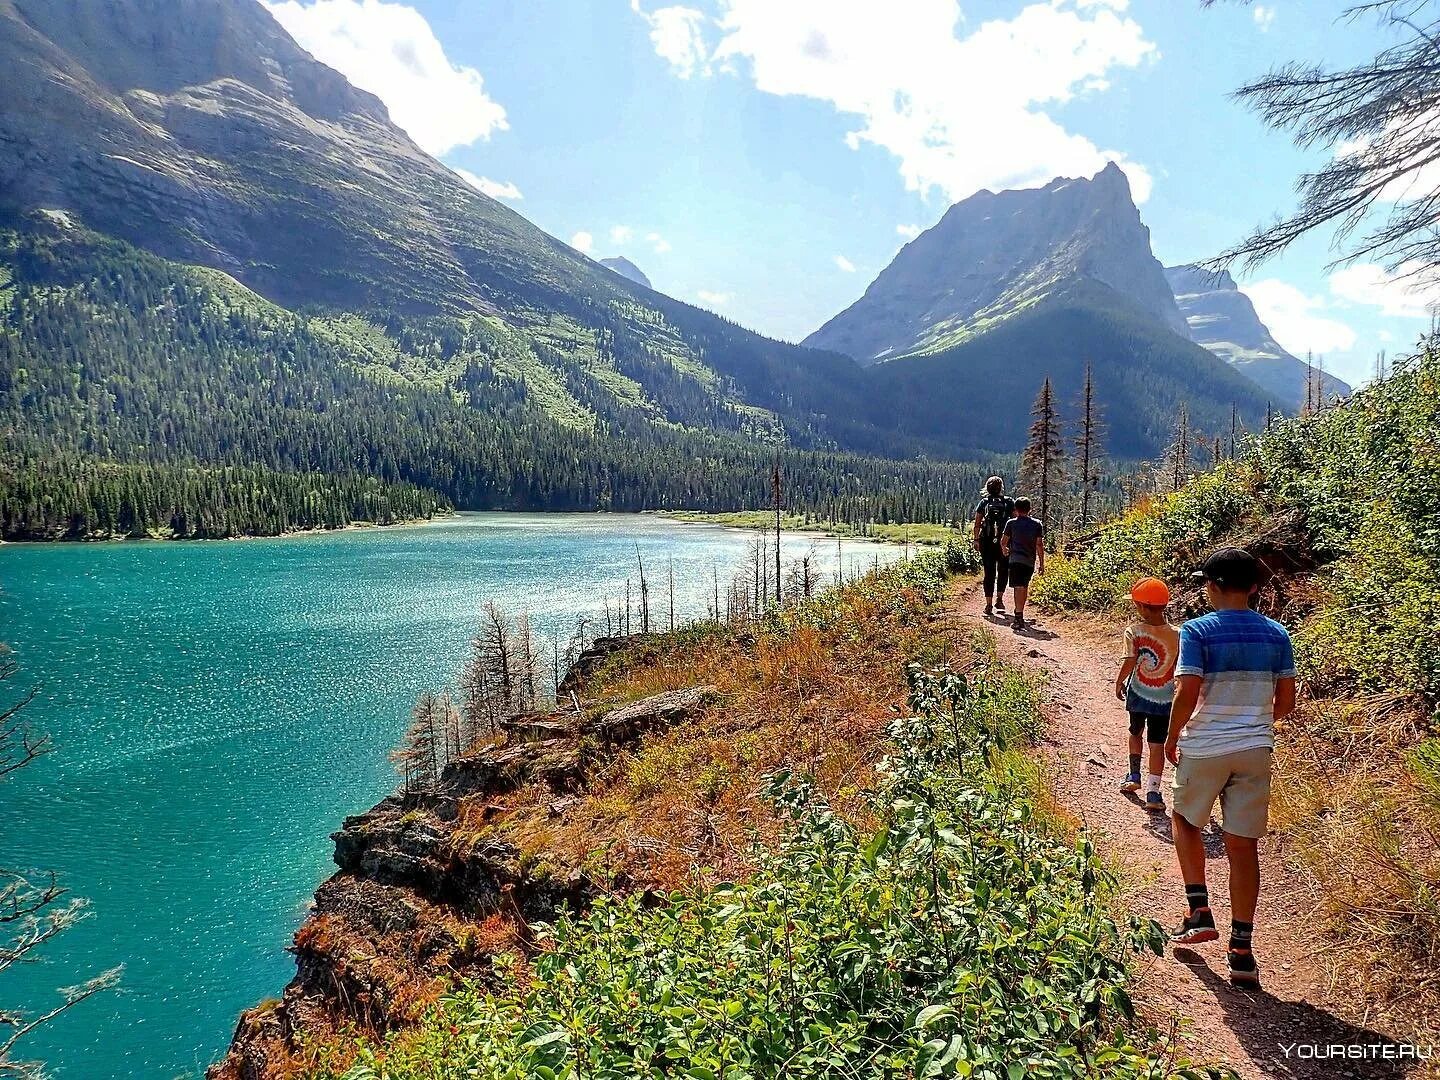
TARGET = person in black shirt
(1023,542)
(991,514)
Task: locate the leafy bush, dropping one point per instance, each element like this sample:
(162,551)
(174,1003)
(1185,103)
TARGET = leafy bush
(964,937)
(1163,537)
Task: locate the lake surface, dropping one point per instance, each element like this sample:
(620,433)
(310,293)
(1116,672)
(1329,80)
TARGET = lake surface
(217,708)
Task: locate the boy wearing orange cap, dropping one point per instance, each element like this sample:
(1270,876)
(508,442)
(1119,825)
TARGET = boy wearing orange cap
(1146,683)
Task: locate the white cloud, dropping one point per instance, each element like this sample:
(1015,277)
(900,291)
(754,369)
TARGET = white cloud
(658,243)
(844,264)
(1264,16)
(714,299)
(1398,296)
(909,232)
(583,241)
(678,36)
(494,188)
(621,234)
(390,50)
(958,112)
(1297,319)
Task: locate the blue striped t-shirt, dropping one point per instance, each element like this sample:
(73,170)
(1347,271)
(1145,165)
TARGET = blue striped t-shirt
(1239,656)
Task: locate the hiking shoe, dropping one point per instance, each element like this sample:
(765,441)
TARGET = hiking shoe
(1018,623)
(1131,782)
(1155,802)
(988,609)
(1000,607)
(1243,969)
(1198,927)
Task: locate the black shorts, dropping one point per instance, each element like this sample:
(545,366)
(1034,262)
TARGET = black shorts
(1020,575)
(1159,726)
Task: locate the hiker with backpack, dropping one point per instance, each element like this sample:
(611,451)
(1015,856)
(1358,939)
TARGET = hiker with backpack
(991,513)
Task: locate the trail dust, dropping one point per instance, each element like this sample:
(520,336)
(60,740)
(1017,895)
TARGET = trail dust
(1283,1029)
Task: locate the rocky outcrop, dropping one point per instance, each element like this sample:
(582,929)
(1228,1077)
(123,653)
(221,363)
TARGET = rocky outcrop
(422,898)
(1222,319)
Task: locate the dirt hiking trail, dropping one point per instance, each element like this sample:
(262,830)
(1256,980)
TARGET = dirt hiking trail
(1187,991)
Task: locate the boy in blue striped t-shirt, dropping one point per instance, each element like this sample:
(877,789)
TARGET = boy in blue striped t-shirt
(1235,677)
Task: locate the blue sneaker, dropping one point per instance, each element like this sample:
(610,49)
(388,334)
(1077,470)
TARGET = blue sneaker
(1155,802)
(1131,783)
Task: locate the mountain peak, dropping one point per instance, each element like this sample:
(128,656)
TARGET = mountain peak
(626,269)
(997,253)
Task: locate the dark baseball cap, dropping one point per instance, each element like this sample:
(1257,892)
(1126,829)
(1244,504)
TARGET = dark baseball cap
(1230,568)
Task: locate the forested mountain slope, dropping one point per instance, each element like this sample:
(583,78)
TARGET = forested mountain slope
(200,132)
(108,353)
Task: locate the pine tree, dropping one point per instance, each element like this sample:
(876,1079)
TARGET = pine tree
(420,754)
(1089,450)
(1042,465)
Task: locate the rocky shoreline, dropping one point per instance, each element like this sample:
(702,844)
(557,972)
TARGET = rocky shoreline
(418,902)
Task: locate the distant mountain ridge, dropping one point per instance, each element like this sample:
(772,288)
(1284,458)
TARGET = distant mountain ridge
(199,131)
(1222,318)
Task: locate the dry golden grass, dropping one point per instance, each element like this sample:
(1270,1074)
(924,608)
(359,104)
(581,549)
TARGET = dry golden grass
(814,697)
(1364,835)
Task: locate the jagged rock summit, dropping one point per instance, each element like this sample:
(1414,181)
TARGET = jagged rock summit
(627,269)
(996,254)
(1222,318)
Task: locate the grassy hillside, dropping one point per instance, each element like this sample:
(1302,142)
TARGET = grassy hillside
(1344,506)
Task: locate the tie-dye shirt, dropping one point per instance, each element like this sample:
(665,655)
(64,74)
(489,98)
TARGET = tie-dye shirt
(1152,684)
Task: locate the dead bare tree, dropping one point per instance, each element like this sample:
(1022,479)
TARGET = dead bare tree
(775,494)
(420,756)
(644,594)
(32,910)
(1377,124)
(1088,445)
(1180,451)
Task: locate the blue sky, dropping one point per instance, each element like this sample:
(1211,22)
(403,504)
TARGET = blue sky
(766,158)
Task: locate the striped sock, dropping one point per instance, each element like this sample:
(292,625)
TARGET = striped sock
(1198,896)
(1240,934)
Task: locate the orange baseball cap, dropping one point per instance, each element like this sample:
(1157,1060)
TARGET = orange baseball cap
(1151,591)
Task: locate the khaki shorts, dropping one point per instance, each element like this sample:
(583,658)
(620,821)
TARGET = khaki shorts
(1241,781)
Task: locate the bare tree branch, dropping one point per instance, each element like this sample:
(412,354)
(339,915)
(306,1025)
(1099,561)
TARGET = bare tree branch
(31,911)
(1380,123)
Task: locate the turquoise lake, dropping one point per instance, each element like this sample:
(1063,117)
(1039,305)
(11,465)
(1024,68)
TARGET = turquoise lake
(217,708)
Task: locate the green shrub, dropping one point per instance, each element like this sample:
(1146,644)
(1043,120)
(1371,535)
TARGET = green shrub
(1164,537)
(965,937)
